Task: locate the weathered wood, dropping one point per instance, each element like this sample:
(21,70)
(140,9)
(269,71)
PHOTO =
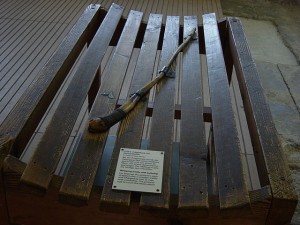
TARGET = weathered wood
(79,180)
(130,136)
(233,192)
(161,136)
(20,124)
(42,165)
(193,193)
(270,159)
(25,206)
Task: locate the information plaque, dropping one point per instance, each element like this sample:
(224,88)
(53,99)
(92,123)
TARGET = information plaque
(139,170)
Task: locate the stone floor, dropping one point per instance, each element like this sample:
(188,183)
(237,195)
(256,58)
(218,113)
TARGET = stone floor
(273,32)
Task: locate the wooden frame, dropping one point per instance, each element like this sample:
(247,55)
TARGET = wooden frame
(33,192)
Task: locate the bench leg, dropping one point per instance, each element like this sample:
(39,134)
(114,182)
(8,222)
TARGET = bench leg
(94,89)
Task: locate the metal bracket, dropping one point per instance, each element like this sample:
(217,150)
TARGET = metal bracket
(194,37)
(109,94)
(168,73)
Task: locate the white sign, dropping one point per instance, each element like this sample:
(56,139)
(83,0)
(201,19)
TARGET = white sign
(139,170)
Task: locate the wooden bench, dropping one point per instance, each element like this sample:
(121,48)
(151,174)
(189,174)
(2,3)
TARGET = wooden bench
(202,183)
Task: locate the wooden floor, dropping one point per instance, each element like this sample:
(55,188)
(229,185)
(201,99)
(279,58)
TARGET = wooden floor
(30,32)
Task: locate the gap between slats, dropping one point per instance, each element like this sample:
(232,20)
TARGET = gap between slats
(252,177)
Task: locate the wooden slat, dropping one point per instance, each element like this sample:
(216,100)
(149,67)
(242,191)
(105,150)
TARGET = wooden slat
(29,150)
(42,165)
(233,192)
(132,135)
(161,136)
(34,102)
(269,156)
(252,169)
(193,176)
(78,182)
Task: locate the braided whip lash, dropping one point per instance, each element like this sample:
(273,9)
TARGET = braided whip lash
(101,124)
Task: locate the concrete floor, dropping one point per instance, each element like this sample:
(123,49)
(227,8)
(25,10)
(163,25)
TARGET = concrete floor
(273,32)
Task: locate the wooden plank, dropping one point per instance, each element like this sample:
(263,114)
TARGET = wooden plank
(160,6)
(21,73)
(161,134)
(131,136)
(184,9)
(245,135)
(42,165)
(28,151)
(21,62)
(5,7)
(240,131)
(233,192)
(40,12)
(193,152)
(17,40)
(32,105)
(189,7)
(145,5)
(219,7)
(255,183)
(271,162)
(78,182)
(195,8)
(6,25)
(149,9)
(174,8)
(17,10)
(204,6)
(57,11)
(209,6)
(127,9)
(74,11)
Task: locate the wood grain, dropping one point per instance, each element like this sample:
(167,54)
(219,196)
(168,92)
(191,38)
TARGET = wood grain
(20,124)
(42,165)
(80,177)
(233,192)
(131,135)
(270,159)
(161,134)
(192,174)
